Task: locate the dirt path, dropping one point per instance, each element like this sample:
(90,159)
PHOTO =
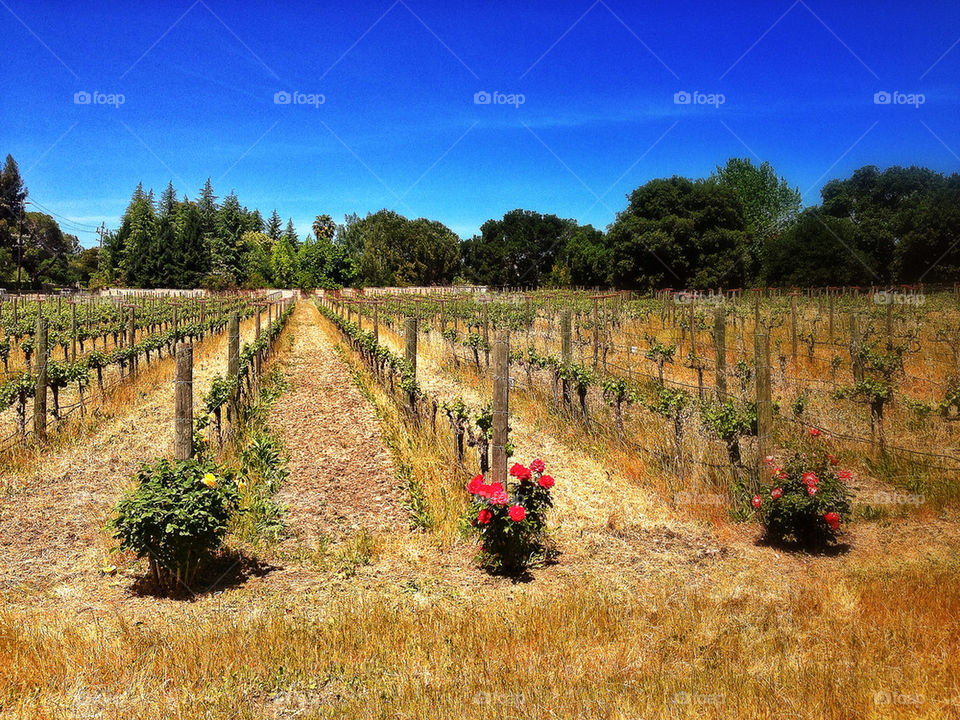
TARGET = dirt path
(53,513)
(342,476)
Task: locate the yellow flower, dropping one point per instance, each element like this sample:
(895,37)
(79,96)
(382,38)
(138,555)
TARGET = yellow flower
(210,480)
(241,484)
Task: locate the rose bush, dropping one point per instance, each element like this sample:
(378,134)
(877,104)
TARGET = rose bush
(176,515)
(511,521)
(806,499)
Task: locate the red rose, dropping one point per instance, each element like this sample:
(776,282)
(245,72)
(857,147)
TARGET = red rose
(517,513)
(844,475)
(473,487)
(834,460)
(776,493)
(537,466)
(483,517)
(545,482)
(768,460)
(757,501)
(782,475)
(833,520)
(520,472)
(811,489)
(814,432)
(484,491)
(499,498)
(810,478)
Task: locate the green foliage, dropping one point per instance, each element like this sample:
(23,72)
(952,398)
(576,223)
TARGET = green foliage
(175,516)
(520,249)
(669,402)
(730,421)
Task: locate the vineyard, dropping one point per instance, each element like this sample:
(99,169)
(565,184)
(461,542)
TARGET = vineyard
(461,503)
(703,384)
(90,348)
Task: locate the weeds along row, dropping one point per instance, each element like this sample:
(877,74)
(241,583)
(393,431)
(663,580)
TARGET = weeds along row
(123,341)
(178,512)
(645,373)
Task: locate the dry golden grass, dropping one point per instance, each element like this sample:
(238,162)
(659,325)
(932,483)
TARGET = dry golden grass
(652,610)
(831,646)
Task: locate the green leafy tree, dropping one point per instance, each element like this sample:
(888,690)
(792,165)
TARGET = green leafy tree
(680,233)
(518,250)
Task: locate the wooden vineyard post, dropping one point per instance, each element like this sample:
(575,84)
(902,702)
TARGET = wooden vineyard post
(410,356)
(376,320)
(486,334)
(693,331)
(761,350)
(889,323)
(40,401)
(73,332)
(720,343)
(566,349)
(830,303)
(793,325)
(410,343)
(855,347)
(183,396)
(501,406)
(596,334)
(257,358)
(132,338)
(233,363)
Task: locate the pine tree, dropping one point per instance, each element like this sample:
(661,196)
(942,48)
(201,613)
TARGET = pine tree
(168,201)
(12,191)
(274,226)
(290,234)
(136,239)
(192,250)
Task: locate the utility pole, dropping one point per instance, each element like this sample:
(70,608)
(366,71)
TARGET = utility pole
(19,248)
(101,231)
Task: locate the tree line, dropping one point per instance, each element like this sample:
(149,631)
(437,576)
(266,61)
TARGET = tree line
(742,226)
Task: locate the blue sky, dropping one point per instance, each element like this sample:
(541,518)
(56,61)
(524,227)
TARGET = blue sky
(399,126)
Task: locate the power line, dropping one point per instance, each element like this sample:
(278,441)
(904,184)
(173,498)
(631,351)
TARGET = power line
(77,225)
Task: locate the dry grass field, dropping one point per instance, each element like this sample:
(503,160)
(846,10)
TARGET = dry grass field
(365,600)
